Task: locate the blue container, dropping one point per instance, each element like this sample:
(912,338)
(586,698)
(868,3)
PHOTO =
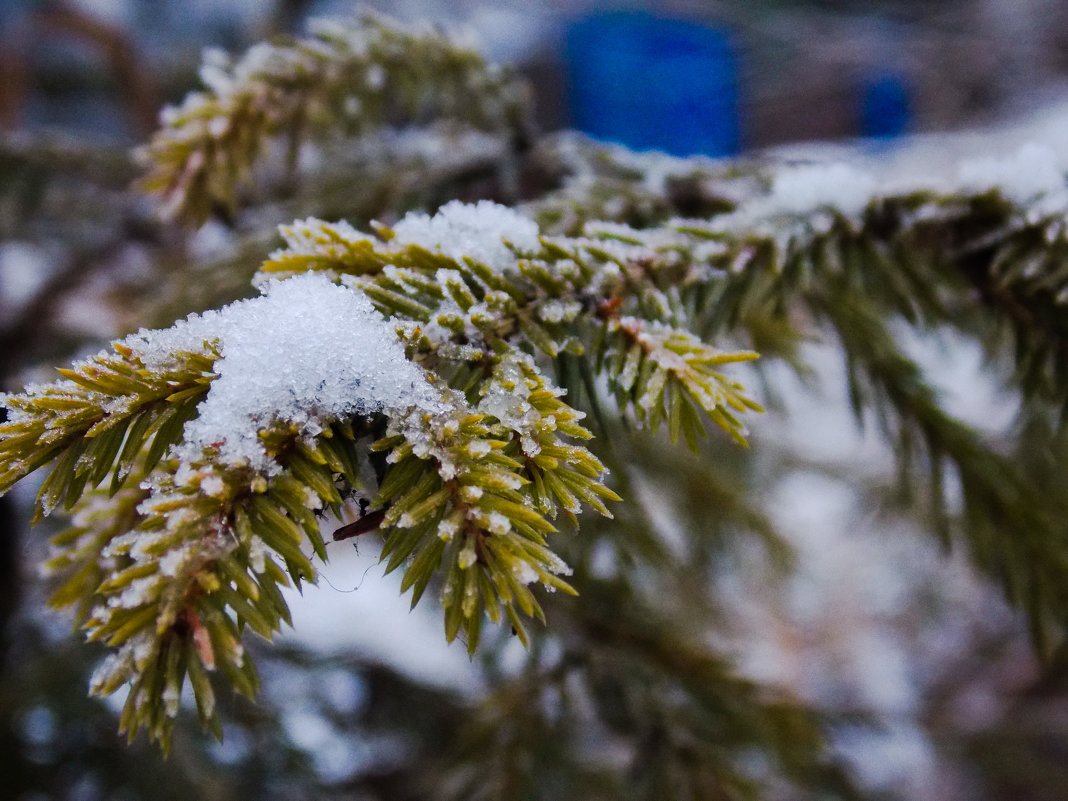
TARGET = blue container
(654,83)
(884,105)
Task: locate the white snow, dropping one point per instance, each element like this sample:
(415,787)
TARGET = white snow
(556,311)
(505,397)
(1025,157)
(355,607)
(1032,171)
(803,190)
(306,352)
(523,572)
(478,231)
(25,268)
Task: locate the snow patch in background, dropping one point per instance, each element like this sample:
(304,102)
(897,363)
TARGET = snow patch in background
(355,608)
(844,630)
(1034,170)
(25,269)
(803,190)
(1022,159)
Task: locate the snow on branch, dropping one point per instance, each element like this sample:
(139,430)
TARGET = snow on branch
(307,351)
(221,441)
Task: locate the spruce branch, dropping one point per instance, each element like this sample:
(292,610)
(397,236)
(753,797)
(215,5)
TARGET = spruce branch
(171,569)
(662,373)
(606,296)
(76,561)
(933,259)
(473,494)
(475,479)
(350,79)
(927,254)
(595,182)
(107,413)
(202,524)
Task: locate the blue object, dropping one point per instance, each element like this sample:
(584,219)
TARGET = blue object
(884,106)
(654,83)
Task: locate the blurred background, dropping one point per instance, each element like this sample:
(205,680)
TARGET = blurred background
(750,74)
(873,623)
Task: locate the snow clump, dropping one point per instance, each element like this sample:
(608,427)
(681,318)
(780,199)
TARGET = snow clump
(475,230)
(307,352)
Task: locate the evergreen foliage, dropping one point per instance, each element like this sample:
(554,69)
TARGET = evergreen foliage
(601,296)
(345,79)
